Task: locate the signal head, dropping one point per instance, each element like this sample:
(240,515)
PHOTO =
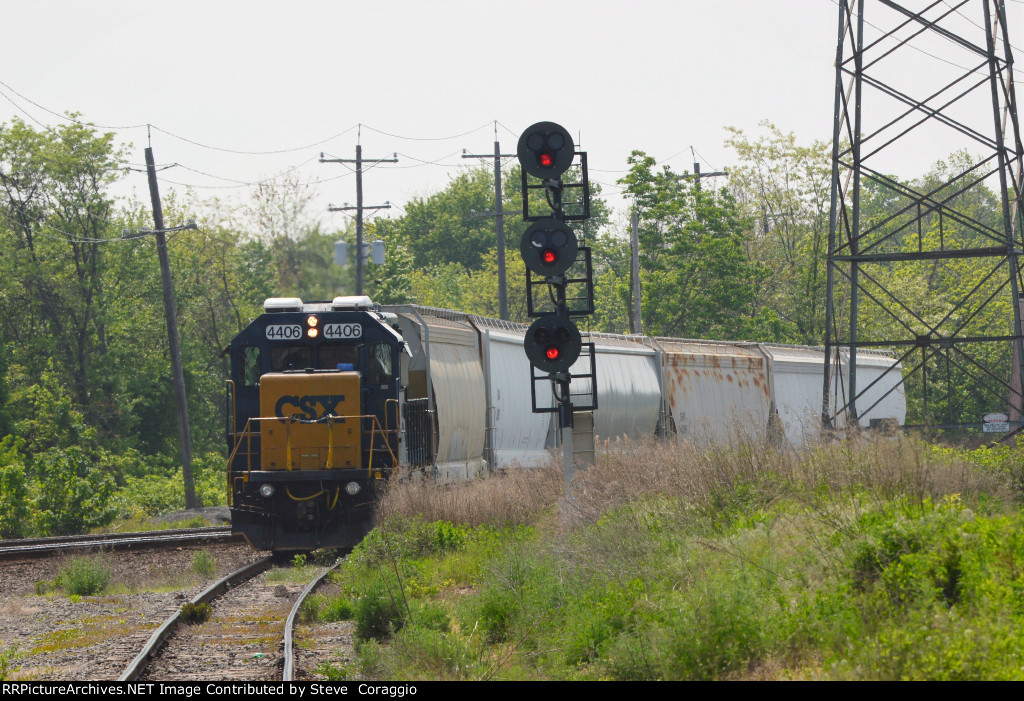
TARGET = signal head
(548,247)
(545,150)
(553,343)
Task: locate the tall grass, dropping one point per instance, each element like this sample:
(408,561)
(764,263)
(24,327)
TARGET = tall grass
(514,496)
(876,557)
(705,479)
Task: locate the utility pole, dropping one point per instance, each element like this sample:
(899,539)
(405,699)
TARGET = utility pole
(499,216)
(184,436)
(359,161)
(635,323)
(698,175)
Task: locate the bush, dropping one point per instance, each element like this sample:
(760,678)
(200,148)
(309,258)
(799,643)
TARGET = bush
(380,612)
(84,576)
(204,564)
(337,609)
(8,655)
(194,614)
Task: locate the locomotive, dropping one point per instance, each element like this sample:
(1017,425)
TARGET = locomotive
(316,414)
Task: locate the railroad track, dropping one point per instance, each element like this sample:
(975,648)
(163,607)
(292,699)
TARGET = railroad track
(114,541)
(246,617)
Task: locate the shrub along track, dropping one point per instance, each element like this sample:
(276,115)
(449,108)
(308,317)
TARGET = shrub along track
(248,636)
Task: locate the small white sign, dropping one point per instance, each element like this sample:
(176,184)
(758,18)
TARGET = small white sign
(996,418)
(996,427)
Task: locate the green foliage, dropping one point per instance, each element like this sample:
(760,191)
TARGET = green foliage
(380,611)
(8,657)
(14,489)
(338,609)
(74,493)
(194,614)
(161,491)
(783,189)
(204,564)
(698,279)
(84,576)
(773,576)
(334,673)
(408,538)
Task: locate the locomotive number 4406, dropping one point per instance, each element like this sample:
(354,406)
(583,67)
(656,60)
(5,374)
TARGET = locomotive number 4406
(283,332)
(343,331)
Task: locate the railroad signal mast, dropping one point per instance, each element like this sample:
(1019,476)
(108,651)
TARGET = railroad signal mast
(554,260)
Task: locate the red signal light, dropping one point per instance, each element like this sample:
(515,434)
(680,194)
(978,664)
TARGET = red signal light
(546,159)
(552,353)
(549,256)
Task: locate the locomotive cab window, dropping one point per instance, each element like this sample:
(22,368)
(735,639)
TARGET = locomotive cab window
(337,357)
(290,358)
(249,366)
(380,364)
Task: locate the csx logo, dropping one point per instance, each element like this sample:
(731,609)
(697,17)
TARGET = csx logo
(307,407)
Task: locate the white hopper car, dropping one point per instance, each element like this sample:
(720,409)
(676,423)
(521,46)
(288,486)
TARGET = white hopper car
(475,375)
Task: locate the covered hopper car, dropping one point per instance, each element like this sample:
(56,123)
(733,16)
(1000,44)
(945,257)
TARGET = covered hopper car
(327,400)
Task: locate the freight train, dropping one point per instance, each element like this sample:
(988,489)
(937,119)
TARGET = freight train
(329,400)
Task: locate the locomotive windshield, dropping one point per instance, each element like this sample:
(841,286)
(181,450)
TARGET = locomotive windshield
(290,358)
(333,357)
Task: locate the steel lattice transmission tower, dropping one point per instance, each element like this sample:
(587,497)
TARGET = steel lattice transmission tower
(928,269)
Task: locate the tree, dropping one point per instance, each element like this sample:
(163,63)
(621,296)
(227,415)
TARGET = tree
(698,280)
(784,192)
(55,216)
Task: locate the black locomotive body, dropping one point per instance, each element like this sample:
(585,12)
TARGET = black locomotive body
(315,421)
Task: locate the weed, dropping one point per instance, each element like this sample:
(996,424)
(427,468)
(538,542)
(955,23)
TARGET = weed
(337,609)
(8,656)
(84,576)
(309,609)
(194,614)
(378,613)
(334,674)
(204,564)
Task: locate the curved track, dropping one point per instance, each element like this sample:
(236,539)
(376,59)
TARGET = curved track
(242,618)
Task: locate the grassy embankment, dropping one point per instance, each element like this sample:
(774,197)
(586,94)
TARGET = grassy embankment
(873,559)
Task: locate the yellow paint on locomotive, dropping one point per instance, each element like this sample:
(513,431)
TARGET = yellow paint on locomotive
(309,398)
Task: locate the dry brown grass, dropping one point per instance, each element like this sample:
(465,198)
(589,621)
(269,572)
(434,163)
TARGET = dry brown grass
(514,496)
(878,467)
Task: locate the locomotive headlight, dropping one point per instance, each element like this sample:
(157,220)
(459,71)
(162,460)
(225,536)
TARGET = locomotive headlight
(352,488)
(312,332)
(312,321)
(267,490)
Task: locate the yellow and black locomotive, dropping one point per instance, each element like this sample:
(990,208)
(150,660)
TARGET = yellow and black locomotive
(315,421)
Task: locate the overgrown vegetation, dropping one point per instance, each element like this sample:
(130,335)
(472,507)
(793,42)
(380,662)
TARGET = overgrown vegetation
(204,564)
(84,576)
(194,614)
(8,658)
(881,558)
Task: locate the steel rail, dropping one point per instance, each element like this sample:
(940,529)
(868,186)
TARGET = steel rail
(137,666)
(43,545)
(289,627)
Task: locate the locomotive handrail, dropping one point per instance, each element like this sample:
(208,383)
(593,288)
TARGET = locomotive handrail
(328,420)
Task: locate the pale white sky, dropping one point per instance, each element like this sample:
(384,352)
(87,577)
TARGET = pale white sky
(261,76)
